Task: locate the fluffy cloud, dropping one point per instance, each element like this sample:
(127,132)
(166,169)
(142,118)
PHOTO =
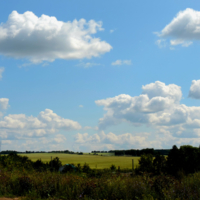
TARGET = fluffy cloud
(158,88)
(183,29)
(110,141)
(57,142)
(195,89)
(121,62)
(4,103)
(155,98)
(158,106)
(1,72)
(47,122)
(46,39)
(100,141)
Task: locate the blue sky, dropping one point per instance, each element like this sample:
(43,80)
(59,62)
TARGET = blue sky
(99,75)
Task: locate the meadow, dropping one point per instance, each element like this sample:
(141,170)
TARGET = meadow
(176,176)
(94,161)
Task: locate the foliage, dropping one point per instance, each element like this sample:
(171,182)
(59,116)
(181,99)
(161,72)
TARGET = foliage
(145,164)
(185,159)
(86,168)
(20,176)
(113,167)
(159,164)
(179,162)
(51,185)
(55,164)
(137,152)
(14,161)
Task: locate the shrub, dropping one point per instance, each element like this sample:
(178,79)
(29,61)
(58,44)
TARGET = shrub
(86,168)
(145,164)
(69,168)
(24,185)
(78,167)
(159,164)
(55,164)
(113,167)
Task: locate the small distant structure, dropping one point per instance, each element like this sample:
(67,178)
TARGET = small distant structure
(66,168)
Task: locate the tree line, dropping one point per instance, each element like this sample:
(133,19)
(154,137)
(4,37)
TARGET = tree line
(57,151)
(183,160)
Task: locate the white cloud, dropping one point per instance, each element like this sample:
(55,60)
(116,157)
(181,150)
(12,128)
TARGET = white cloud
(183,29)
(155,98)
(1,72)
(88,64)
(195,89)
(158,88)
(102,141)
(47,123)
(122,62)
(158,107)
(80,106)
(59,139)
(57,142)
(46,39)
(111,31)
(4,103)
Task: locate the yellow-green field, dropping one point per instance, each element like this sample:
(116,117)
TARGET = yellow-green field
(95,161)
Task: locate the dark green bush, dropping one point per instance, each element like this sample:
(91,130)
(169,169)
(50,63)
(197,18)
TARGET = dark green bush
(145,164)
(55,164)
(86,168)
(113,167)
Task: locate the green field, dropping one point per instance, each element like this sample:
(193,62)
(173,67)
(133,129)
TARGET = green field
(95,161)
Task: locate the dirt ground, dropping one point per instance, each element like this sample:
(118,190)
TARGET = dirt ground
(2,198)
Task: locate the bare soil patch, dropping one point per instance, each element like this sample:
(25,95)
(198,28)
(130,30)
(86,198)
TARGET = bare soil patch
(3,198)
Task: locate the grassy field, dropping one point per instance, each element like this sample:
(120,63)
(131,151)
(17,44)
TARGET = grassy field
(103,154)
(95,161)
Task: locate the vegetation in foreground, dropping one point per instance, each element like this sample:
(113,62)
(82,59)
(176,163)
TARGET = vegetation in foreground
(47,185)
(174,177)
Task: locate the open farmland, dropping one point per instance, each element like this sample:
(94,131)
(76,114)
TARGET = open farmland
(95,161)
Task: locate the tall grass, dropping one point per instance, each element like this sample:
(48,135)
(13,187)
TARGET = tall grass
(53,185)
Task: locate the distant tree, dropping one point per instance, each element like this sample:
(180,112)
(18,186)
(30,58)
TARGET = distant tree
(55,164)
(145,163)
(159,164)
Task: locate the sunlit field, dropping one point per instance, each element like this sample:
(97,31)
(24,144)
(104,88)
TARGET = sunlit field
(95,161)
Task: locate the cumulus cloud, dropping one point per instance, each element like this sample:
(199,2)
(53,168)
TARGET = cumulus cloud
(1,72)
(142,109)
(47,123)
(158,88)
(183,29)
(158,107)
(122,62)
(57,142)
(195,89)
(46,39)
(100,141)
